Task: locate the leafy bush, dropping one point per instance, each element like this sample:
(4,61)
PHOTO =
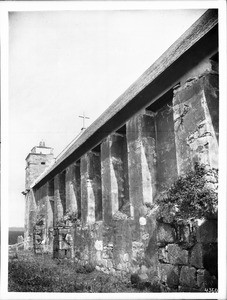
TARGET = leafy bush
(69,218)
(190,196)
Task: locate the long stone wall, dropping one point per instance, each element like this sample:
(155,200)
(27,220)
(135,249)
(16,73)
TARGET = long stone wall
(100,209)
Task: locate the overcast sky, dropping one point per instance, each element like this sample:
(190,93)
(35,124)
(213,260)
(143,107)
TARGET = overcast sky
(64,63)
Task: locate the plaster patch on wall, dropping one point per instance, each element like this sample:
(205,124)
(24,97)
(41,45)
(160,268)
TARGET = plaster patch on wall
(146,178)
(114,188)
(142,221)
(98,245)
(91,203)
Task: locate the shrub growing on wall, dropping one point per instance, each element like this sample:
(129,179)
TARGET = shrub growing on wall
(192,196)
(68,219)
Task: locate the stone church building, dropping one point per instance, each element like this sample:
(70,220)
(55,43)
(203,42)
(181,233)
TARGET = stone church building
(96,203)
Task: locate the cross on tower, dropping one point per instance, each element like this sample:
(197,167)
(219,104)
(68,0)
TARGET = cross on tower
(83,117)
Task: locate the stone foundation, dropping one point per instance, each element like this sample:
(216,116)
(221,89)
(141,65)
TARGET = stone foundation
(185,262)
(180,258)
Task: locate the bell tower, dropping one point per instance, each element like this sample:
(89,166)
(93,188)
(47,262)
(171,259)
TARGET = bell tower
(37,161)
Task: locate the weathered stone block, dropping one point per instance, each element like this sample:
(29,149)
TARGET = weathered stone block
(197,253)
(205,256)
(165,233)
(184,235)
(207,232)
(169,274)
(176,255)
(162,254)
(203,278)
(153,275)
(188,276)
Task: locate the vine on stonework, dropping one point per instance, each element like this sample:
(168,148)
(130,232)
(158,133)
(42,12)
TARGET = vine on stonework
(40,220)
(190,196)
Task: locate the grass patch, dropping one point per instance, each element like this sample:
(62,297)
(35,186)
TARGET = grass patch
(13,235)
(31,273)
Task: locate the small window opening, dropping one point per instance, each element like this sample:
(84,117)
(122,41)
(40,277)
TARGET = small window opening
(43,163)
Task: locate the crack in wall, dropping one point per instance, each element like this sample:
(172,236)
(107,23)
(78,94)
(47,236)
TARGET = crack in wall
(180,118)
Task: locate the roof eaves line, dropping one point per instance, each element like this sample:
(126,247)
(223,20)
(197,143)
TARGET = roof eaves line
(189,38)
